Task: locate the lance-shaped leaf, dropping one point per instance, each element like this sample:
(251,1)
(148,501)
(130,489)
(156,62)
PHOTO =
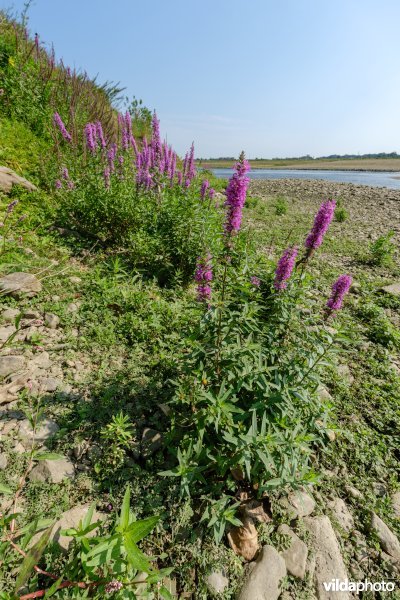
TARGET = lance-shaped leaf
(32,558)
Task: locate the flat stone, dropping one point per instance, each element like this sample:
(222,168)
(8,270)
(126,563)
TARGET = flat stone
(32,314)
(11,364)
(51,321)
(51,384)
(19,448)
(393,289)
(41,361)
(386,537)
(324,395)
(47,428)
(72,307)
(298,504)
(353,492)
(345,373)
(328,562)
(6,332)
(342,514)
(54,471)
(151,441)
(396,504)
(20,283)
(216,582)
(3,461)
(10,314)
(69,520)
(264,579)
(74,279)
(295,556)
(8,178)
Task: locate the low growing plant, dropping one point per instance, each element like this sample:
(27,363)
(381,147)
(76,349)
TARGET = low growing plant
(383,249)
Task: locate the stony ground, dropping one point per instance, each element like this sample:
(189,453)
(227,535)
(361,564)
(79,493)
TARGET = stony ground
(71,339)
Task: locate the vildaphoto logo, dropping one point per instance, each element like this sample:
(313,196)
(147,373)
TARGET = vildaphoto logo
(336,585)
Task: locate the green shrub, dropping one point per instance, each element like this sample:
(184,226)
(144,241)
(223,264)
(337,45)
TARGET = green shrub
(281,206)
(341,214)
(382,250)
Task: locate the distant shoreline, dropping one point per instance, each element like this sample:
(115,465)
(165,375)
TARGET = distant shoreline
(313,169)
(377,165)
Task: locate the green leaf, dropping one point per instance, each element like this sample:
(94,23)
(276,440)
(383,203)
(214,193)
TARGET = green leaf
(139,529)
(54,588)
(5,489)
(32,558)
(89,515)
(136,558)
(125,510)
(166,594)
(47,456)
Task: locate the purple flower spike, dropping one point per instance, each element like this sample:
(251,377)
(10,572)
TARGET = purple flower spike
(59,122)
(203,277)
(211,192)
(100,134)
(255,281)
(339,290)
(205,184)
(65,174)
(321,223)
(285,267)
(90,132)
(58,184)
(236,196)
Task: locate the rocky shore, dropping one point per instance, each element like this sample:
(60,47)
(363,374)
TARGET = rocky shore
(372,210)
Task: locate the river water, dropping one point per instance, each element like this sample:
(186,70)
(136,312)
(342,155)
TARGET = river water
(373,178)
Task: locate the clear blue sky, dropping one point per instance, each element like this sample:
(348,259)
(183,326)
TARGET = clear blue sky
(274,77)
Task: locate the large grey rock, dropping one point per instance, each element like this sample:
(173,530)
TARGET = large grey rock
(341,514)
(10,364)
(263,582)
(298,504)
(295,556)
(386,537)
(20,283)
(393,289)
(8,178)
(216,582)
(328,562)
(47,428)
(54,471)
(41,361)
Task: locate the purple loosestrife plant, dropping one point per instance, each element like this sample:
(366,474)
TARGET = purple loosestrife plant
(59,123)
(236,196)
(339,290)
(203,277)
(322,221)
(100,134)
(285,268)
(255,281)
